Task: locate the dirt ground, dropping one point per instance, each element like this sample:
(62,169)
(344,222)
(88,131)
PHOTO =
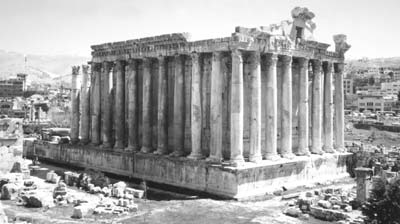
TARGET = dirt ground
(378,137)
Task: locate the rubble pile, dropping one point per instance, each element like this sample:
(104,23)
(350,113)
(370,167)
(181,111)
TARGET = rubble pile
(329,204)
(56,190)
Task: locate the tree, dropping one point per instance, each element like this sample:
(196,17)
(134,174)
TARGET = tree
(383,206)
(371,81)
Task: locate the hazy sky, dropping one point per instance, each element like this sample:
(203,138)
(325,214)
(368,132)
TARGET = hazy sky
(71,26)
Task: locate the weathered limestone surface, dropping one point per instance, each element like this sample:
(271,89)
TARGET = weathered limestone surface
(96,109)
(162,130)
(196,109)
(106,104)
(303,108)
(85,100)
(146,115)
(316,108)
(133,108)
(120,106)
(236,134)
(328,106)
(272,108)
(75,105)
(255,107)
(216,109)
(179,108)
(286,149)
(339,108)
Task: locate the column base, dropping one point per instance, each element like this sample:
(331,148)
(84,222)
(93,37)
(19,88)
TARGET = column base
(74,141)
(328,149)
(119,145)
(177,153)
(273,157)
(255,158)
(340,149)
(84,141)
(317,151)
(95,143)
(288,155)
(145,149)
(105,145)
(130,149)
(237,162)
(304,152)
(214,159)
(160,151)
(195,156)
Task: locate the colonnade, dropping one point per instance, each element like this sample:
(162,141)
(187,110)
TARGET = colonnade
(115,85)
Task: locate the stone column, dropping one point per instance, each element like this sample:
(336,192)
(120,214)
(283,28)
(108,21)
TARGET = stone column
(133,109)
(216,109)
(84,116)
(328,104)
(74,106)
(286,148)
(179,108)
(96,110)
(196,109)
(363,179)
(339,108)
(120,105)
(162,126)
(271,131)
(316,108)
(237,109)
(303,109)
(255,108)
(146,122)
(106,104)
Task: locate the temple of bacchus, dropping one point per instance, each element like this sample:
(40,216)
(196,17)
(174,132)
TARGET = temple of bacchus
(235,116)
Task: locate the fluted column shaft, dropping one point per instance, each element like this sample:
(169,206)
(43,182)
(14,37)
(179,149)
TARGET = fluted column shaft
(303,108)
(196,109)
(146,117)
(328,104)
(85,113)
(106,104)
(120,105)
(74,106)
(96,110)
(162,127)
(236,137)
(255,108)
(271,129)
(286,147)
(216,109)
(339,107)
(133,109)
(316,108)
(179,107)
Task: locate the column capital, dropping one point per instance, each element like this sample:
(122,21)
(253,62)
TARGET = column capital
(75,70)
(216,55)
(96,67)
(194,55)
(146,61)
(132,62)
(286,59)
(327,66)
(338,67)
(237,54)
(119,64)
(161,58)
(303,62)
(272,59)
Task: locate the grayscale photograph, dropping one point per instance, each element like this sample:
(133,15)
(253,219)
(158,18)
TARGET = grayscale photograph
(199,112)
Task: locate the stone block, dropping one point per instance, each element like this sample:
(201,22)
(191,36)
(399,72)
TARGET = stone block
(9,191)
(309,194)
(348,208)
(324,204)
(135,192)
(80,211)
(336,207)
(292,211)
(327,214)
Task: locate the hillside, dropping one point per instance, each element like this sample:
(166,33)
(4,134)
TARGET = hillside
(40,68)
(374,62)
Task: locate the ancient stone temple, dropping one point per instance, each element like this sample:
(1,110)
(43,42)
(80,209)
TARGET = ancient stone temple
(236,116)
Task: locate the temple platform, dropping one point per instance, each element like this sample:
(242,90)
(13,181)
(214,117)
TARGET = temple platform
(248,181)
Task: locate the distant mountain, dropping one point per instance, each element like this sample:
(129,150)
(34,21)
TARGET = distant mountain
(374,62)
(40,68)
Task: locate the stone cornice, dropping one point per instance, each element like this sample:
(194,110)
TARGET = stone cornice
(171,44)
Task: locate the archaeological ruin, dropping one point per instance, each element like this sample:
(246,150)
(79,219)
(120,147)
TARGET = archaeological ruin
(237,116)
